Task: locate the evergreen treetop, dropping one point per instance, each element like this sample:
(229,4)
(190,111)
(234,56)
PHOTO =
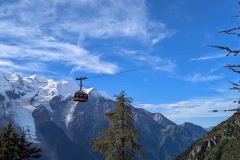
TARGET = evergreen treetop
(119,141)
(14,146)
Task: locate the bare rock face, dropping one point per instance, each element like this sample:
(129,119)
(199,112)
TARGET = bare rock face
(63,129)
(222,143)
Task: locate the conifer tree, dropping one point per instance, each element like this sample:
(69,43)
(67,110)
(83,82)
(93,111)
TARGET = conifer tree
(235,31)
(16,147)
(119,141)
(25,150)
(8,143)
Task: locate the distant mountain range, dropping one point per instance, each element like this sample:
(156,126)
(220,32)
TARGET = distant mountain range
(64,128)
(222,143)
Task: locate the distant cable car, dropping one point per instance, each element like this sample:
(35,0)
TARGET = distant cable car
(80,96)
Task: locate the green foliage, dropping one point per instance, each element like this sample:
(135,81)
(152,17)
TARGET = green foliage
(228,149)
(222,143)
(14,146)
(25,151)
(119,141)
(8,143)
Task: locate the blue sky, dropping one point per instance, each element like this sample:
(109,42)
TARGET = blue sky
(184,79)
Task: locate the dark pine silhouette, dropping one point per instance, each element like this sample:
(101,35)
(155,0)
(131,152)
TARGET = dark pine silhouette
(119,141)
(25,150)
(14,146)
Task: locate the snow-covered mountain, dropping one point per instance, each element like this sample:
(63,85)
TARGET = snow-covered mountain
(21,96)
(64,128)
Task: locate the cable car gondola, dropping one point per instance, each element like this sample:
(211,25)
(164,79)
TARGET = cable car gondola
(80,96)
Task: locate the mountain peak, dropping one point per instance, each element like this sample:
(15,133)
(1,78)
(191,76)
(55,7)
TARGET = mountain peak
(35,78)
(45,88)
(162,120)
(13,77)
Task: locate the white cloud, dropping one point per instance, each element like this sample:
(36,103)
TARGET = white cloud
(10,29)
(208,57)
(6,63)
(94,18)
(203,78)
(155,62)
(45,51)
(46,30)
(9,66)
(197,108)
(111,18)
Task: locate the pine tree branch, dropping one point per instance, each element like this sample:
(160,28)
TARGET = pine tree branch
(232,31)
(233,67)
(234,70)
(236,86)
(230,51)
